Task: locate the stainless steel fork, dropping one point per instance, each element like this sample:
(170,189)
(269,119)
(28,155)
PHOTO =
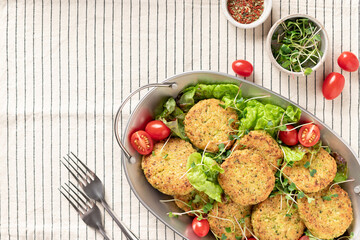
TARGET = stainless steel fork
(86,208)
(93,188)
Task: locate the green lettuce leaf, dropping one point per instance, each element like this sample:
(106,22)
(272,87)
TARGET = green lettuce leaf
(177,128)
(203,175)
(292,115)
(168,108)
(293,154)
(191,95)
(186,101)
(257,115)
(172,116)
(342,168)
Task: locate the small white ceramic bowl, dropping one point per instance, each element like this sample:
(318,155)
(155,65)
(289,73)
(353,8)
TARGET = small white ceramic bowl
(262,18)
(323,48)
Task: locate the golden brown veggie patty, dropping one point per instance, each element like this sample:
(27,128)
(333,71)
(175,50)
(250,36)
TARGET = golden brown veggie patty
(329,215)
(270,222)
(231,213)
(261,142)
(325,167)
(165,168)
(247,177)
(207,125)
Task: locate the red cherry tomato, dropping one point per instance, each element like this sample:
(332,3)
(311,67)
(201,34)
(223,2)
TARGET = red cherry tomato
(201,228)
(333,85)
(142,142)
(242,68)
(251,239)
(309,135)
(348,61)
(157,130)
(304,238)
(289,136)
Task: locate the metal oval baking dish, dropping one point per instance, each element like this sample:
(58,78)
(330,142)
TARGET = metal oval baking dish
(171,87)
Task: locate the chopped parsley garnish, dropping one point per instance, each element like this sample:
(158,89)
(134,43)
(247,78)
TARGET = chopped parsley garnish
(312,172)
(228,229)
(166,155)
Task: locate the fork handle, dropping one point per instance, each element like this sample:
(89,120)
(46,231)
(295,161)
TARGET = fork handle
(125,230)
(103,233)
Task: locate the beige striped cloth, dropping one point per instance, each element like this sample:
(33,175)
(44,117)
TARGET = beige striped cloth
(67,65)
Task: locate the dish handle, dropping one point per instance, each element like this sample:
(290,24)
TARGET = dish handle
(131,159)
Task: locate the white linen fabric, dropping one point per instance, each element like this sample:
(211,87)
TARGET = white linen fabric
(67,65)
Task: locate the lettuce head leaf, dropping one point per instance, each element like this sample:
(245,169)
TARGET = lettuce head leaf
(191,95)
(257,115)
(168,108)
(177,128)
(293,154)
(202,174)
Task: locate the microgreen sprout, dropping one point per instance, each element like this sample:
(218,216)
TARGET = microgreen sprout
(289,190)
(349,180)
(167,140)
(311,237)
(297,47)
(329,197)
(257,97)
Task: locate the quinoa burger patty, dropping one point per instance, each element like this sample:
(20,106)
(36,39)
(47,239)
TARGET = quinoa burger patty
(273,219)
(247,178)
(224,216)
(329,215)
(166,166)
(261,142)
(207,125)
(322,162)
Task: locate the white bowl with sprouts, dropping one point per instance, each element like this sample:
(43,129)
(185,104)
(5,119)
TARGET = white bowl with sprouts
(315,57)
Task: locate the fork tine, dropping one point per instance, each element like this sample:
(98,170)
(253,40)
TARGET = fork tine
(84,181)
(91,172)
(70,201)
(72,190)
(76,164)
(71,171)
(81,204)
(87,201)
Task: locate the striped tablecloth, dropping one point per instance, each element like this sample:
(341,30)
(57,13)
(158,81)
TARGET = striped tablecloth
(67,65)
